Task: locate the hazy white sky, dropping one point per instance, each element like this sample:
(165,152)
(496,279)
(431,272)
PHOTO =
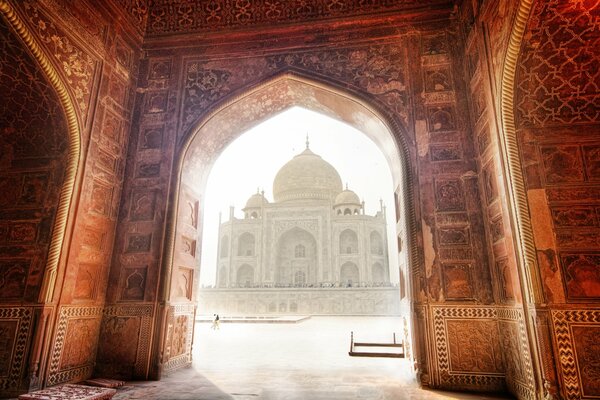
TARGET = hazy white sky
(253,160)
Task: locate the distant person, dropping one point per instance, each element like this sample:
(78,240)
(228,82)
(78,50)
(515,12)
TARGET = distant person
(215,324)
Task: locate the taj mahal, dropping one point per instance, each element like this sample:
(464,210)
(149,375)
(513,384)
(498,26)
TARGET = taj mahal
(313,250)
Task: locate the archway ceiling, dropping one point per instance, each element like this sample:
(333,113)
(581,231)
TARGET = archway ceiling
(261,104)
(168,17)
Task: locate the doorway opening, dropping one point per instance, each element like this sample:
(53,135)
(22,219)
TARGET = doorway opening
(299,258)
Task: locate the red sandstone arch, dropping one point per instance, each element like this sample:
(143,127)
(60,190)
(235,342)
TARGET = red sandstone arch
(255,104)
(40,143)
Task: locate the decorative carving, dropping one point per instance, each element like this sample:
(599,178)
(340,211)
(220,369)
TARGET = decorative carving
(451,218)
(511,347)
(591,156)
(34,190)
(68,335)
(562,163)
(138,243)
(138,10)
(576,333)
(586,341)
(188,246)
(133,283)
(441,119)
(481,368)
(454,236)
(490,186)
(497,228)
(143,206)
(189,16)
(179,331)
(126,332)
(15,326)
(559,81)
(85,283)
(474,346)
(578,239)
(449,195)
(149,170)
(112,127)
(574,217)
(438,80)
(483,140)
(22,232)
(458,284)
(434,45)
(77,66)
(151,137)
(13,277)
(190,211)
(445,152)
(456,253)
(123,53)
(118,91)
(106,161)
(44,76)
(581,273)
(101,198)
(184,281)
(156,102)
(505,275)
(93,238)
(8,335)
(159,69)
(80,343)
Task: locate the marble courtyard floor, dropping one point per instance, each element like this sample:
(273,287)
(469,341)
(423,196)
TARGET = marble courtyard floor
(291,361)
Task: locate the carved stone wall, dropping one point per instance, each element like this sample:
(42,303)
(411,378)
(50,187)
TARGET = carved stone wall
(180,85)
(558,125)
(486,34)
(33,156)
(95,62)
(436,83)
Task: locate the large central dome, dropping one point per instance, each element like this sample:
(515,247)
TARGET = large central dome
(306,177)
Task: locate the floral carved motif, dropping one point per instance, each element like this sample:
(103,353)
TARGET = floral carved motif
(168,16)
(76,66)
(376,70)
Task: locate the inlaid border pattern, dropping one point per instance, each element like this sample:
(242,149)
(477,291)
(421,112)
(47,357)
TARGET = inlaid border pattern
(24,317)
(185,358)
(441,314)
(525,390)
(55,375)
(562,320)
(146,313)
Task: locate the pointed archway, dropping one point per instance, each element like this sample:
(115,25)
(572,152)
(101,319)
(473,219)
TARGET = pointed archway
(223,125)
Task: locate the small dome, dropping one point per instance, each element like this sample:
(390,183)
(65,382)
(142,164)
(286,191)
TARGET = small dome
(347,197)
(257,200)
(306,177)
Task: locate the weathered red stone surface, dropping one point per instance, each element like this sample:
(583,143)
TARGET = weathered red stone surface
(123,303)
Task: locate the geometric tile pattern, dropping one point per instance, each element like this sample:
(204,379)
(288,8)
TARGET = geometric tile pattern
(559,71)
(23,317)
(178,16)
(569,365)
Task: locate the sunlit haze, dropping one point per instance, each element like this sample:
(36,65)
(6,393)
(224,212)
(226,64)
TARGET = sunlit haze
(252,161)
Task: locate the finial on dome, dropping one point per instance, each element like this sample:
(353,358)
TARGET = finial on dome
(307,143)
